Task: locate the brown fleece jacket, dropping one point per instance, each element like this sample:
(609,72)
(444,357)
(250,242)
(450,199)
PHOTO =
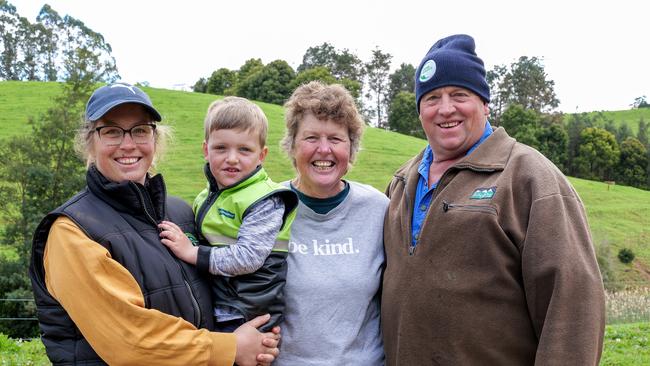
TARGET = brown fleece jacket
(504,272)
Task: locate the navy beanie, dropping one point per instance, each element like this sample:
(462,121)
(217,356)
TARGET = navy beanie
(451,61)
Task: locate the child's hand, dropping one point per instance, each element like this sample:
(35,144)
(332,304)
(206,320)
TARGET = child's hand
(174,239)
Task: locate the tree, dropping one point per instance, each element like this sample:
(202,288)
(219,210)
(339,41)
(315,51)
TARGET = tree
(320,73)
(498,104)
(642,133)
(377,73)
(354,87)
(525,83)
(577,123)
(403,79)
(201,86)
(220,81)
(610,125)
(522,124)
(86,55)
(269,84)
(249,67)
(623,132)
(403,116)
(631,169)
(323,55)
(29,34)
(348,66)
(553,143)
(640,102)
(598,153)
(53,44)
(51,34)
(342,64)
(10,31)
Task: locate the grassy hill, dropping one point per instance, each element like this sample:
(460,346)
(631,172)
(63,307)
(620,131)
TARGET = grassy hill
(619,216)
(630,117)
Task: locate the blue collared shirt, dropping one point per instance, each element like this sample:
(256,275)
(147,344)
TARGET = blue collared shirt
(424,193)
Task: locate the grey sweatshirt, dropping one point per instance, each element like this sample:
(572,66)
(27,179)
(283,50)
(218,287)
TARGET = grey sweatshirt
(335,264)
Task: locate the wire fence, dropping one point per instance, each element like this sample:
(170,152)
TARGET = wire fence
(5,317)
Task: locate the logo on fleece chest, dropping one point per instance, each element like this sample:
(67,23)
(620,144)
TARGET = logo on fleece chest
(483,193)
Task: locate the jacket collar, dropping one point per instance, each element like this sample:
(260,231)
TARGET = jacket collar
(128,196)
(491,155)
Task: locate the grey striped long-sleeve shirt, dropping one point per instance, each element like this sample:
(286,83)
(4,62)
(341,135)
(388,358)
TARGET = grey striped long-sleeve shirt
(254,242)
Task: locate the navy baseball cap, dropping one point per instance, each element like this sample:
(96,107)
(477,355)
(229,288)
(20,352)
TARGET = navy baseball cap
(110,96)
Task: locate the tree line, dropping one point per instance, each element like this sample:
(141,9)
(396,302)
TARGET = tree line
(53,48)
(275,81)
(523,102)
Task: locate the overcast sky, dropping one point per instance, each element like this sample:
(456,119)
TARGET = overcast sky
(597,52)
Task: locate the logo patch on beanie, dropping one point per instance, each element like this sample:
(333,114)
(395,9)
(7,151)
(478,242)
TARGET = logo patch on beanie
(428,69)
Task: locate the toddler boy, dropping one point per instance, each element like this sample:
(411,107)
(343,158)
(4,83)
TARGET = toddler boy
(242,214)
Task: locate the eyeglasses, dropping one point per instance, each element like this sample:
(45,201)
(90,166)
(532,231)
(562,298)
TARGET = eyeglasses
(114,135)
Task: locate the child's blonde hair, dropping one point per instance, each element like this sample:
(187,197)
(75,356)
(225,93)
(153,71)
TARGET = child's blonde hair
(236,113)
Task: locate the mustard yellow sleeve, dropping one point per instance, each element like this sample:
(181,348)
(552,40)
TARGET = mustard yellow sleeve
(107,305)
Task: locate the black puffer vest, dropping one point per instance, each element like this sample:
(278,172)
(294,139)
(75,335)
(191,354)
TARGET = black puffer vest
(123,218)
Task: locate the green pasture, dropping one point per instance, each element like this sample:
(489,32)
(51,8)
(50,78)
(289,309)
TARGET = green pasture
(619,216)
(625,344)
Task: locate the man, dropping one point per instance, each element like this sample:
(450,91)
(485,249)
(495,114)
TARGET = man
(489,255)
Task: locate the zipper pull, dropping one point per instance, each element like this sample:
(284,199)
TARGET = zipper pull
(445,206)
(411,249)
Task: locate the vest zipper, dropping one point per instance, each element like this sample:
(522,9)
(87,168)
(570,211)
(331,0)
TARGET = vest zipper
(195,304)
(144,205)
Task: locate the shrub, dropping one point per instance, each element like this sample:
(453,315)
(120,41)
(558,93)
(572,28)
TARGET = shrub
(22,352)
(626,255)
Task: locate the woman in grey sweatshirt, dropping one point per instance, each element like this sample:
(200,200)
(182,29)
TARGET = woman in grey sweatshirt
(336,253)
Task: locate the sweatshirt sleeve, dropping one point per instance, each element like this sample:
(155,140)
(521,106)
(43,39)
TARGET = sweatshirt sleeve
(563,286)
(107,305)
